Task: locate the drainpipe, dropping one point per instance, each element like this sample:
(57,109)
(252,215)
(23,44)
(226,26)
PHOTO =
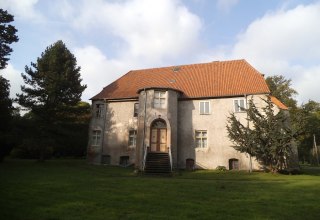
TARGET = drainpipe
(144,123)
(104,127)
(250,157)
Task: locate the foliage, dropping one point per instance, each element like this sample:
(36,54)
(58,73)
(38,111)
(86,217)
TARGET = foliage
(5,104)
(5,117)
(52,94)
(7,37)
(76,190)
(305,118)
(221,168)
(266,135)
(280,87)
(311,111)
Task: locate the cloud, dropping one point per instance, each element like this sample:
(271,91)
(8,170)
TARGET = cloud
(147,34)
(22,9)
(148,30)
(14,76)
(97,70)
(308,84)
(226,5)
(285,42)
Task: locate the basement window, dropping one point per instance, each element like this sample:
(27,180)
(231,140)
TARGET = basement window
(124,161)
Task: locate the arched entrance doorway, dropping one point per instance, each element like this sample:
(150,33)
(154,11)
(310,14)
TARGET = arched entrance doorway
(158,137)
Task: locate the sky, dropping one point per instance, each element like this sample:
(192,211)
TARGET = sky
(111,37)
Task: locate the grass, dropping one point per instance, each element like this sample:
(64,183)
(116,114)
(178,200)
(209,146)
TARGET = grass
(71,189)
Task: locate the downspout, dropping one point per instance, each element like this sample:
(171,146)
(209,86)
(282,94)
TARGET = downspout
(104,127)
(144,127)
(250,157)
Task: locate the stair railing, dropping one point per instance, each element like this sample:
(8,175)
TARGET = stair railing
(144,157)
(170,158)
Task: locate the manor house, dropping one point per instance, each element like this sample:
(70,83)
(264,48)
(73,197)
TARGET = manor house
(174,117)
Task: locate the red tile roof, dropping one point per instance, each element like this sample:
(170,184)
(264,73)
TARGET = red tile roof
(278,103)
(214,79)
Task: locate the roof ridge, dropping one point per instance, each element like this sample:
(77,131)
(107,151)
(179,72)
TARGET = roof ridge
(187,65)
(211,79)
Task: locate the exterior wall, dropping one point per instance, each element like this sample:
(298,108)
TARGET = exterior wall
(119,120)
(219,148)
(148,113)
(182,118)
(96,124)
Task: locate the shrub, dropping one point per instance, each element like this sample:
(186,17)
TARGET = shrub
(221,168)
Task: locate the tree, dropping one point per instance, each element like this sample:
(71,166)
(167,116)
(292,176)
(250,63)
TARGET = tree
(267,136)
(7,37)
(52,92)
(5,117)
(280,87)
(311,110)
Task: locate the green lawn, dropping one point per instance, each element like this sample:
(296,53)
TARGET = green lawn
(71,189)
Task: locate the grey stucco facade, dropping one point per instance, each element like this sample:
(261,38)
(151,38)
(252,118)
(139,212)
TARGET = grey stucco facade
(182,118)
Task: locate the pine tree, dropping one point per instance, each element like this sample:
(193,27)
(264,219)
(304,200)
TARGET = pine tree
(52,92)
(267,136)
(7,37)
(280,88)
(5,117)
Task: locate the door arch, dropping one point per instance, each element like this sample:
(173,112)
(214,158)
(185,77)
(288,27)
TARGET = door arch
(158,136)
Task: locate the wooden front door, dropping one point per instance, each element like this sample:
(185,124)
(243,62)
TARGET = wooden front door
(158,137)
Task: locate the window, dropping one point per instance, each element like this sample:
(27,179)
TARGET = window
(96,137)
(124,161)
(99,110)
(132,138)
(159,100)
(233,164)
(201,139)
(239,105)
(136,110)
(204,107)
(106,159)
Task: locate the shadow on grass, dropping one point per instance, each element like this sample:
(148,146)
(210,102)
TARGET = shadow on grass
(310,170)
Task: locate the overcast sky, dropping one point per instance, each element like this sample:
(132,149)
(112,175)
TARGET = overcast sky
(110,37)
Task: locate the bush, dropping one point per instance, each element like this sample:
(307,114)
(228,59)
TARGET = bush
(221,168)
(290,171)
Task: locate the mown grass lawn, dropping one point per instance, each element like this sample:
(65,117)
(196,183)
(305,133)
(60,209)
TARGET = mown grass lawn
(71,189)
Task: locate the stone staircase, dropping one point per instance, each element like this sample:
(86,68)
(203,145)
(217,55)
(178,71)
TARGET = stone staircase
(157,163)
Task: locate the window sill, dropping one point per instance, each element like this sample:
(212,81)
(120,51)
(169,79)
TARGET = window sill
(201,149)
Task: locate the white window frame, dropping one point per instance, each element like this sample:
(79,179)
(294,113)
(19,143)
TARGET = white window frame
(96,138)
(99,110)
(132,141)
(159,99)
(203,137)
(208,112)
(239,108)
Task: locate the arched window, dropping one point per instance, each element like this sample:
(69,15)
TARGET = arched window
(159,123)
